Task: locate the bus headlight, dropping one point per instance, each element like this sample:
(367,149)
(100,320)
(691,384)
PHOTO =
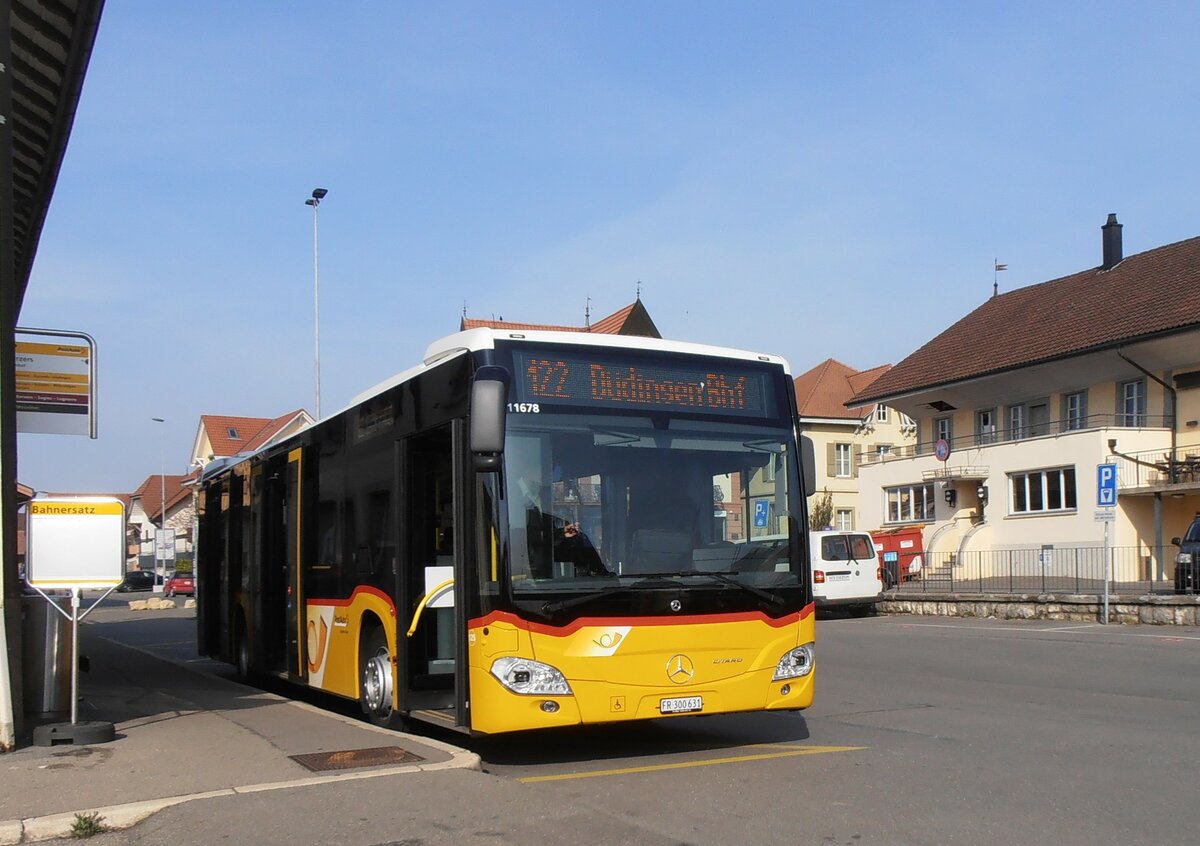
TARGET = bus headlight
(794,664)
(521,675)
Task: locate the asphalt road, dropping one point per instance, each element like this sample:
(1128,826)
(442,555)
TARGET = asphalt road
(925,731)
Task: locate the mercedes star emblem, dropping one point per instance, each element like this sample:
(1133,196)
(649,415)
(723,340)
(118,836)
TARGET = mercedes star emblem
(680,669)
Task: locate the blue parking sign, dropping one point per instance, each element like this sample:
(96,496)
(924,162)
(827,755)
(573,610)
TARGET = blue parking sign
(762,508)
(1106,485)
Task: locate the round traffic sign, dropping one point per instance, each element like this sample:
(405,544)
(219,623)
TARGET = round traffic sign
(942,449)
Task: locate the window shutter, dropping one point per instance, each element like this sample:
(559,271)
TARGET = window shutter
(830,460)
(853,464)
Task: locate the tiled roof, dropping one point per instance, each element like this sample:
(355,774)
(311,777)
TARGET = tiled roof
(824,390)
(151,490)
(633,319)
(1147,294)
(251,432)
(272,429)
(612,324)
(864,378)
(472,323)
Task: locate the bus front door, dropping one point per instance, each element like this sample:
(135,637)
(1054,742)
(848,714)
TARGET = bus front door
(431,669)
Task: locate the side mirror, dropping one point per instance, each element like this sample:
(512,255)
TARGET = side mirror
(1174,541)
(808,464)
(489,407)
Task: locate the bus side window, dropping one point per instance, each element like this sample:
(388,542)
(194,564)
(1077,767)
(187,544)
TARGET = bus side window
(378,549)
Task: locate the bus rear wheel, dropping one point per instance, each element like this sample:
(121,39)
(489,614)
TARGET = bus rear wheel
(375,677)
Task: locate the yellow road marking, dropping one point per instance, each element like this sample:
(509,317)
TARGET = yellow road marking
(736,759)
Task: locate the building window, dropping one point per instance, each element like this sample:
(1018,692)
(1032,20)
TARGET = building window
(843,460)
(881,414)
(943,429)
(1040,491)
(1028,420)
(985,426)
(1075,411)
(1133,403)
(1016,422)
(882,450)
(844,519)
(233,433)
(909,503)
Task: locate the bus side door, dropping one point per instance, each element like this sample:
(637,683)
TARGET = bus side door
(432,670)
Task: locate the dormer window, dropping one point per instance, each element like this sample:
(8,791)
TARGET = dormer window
(233,434)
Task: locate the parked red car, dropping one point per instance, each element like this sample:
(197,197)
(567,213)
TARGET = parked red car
(177,584)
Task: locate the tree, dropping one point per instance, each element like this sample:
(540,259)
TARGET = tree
(820,515)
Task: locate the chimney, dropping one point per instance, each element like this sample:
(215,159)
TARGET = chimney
(1111,234)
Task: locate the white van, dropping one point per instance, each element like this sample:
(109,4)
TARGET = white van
(845,571)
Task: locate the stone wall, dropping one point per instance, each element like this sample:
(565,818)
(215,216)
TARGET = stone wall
(1087,608)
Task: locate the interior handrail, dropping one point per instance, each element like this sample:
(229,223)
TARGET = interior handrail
(425,600)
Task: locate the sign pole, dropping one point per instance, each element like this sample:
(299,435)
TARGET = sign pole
(1106,501)
(1106,572)
(75,595)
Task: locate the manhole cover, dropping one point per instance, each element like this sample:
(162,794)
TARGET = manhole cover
(349,759)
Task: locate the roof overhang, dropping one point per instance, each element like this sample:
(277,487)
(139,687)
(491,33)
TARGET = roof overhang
(851,422)
(48,49)
(1155,353)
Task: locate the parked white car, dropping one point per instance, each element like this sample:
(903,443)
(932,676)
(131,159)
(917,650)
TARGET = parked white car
(845,571)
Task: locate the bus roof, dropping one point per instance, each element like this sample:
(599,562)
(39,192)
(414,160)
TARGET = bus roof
(485,339)
(471,340)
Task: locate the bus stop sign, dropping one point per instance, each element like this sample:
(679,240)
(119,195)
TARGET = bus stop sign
(75,543)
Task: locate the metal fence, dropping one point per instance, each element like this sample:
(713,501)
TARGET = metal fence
(1079,570)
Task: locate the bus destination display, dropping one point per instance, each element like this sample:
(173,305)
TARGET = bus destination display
(570,379)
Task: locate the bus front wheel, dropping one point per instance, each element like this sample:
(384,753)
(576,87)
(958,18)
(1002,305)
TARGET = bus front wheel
(375,678)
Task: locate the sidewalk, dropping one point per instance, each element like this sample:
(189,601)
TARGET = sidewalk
(183,734)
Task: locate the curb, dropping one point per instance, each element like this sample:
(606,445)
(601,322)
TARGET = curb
(127,815)
(117,817)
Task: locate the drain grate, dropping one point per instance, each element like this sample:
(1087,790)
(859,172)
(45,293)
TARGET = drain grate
(349,759)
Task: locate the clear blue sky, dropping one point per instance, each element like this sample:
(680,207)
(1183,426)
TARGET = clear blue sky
(811,179)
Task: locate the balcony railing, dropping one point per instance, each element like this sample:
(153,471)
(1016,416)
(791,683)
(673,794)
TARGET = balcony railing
(995,437)
(1152,468)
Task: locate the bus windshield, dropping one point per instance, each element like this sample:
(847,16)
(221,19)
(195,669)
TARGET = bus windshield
(608,503)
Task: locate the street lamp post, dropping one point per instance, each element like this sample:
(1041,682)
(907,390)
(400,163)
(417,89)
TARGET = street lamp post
(318,195)
(160,566)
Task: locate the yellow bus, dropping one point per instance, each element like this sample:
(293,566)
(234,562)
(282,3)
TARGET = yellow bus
(529,529)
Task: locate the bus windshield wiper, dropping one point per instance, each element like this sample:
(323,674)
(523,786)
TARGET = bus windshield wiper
(726,577)
(563,604)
